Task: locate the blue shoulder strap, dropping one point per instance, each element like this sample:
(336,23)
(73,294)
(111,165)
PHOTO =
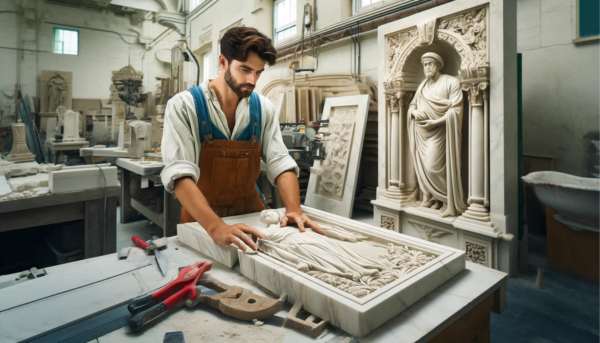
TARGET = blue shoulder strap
(253,130)
(205,127)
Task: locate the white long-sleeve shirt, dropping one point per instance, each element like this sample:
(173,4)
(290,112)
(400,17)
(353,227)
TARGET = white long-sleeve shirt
(181,141)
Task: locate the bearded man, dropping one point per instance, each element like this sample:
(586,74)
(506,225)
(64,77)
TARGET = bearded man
(434,124)
(214,138)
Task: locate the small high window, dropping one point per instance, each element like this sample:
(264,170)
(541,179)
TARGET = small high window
(65,42)
(285,19)
(206,66)
(365,3)
(194,4)
(588,21)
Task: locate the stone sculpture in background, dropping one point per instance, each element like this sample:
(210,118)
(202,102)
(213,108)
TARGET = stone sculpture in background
(57,88)
(20,152)
(434,132)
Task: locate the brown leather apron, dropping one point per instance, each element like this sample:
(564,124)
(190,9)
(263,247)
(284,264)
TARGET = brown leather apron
(229,169)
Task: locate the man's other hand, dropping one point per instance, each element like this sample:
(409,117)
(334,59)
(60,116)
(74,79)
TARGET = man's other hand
(301,220)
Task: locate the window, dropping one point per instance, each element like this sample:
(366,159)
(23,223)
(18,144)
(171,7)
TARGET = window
(206,66)
(66,42)
(285,19)
(194,4)
(365,3)
(588,22)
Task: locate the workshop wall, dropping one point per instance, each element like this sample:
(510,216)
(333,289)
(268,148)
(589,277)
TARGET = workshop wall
(560,84)
(100,52)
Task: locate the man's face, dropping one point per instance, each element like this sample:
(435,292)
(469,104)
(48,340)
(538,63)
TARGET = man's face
(430,67)
(241,77)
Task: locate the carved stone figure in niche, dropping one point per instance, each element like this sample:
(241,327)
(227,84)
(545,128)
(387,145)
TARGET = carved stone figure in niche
(434,125)
(335,260)
(57,88)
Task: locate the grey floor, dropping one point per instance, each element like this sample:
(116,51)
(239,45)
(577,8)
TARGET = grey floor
(566,309)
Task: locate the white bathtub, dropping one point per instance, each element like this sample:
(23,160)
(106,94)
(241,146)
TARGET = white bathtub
(576,200)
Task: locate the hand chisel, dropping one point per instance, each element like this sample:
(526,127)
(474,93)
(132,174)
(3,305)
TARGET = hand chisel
(150,246)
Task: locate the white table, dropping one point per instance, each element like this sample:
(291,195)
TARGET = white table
(52,148)
(169,217)
(455,311)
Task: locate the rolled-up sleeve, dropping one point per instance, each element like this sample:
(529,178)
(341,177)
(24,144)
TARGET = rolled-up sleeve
(273,151)
(178,144)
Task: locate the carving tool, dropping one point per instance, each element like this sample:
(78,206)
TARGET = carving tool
(152,246)
(234,301)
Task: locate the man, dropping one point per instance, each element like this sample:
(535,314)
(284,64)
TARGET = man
(214,137)
(434,119)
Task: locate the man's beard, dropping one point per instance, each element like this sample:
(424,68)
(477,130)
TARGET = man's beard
(237,88)
(430,74)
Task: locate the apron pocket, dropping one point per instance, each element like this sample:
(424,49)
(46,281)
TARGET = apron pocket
(229,172)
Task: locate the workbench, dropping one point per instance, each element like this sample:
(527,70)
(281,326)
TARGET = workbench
(100,236)
(457,311)
(166,215)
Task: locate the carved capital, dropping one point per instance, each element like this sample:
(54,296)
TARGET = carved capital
(477,92)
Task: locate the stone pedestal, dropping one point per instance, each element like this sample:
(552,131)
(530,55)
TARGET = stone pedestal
(20,152)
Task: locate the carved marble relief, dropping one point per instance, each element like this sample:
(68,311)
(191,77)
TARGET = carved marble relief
(476,253)
(56,90)
(332,180)
(429,232)
(388,223)
(340,258)
(422,129)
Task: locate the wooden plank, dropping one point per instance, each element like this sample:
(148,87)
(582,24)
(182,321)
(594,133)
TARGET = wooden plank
(52,284)
(57,199)
(128,213)
(110,245)
(94,236)
(42,216)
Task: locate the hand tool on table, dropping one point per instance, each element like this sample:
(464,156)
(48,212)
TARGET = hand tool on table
(234,301)
(149,245)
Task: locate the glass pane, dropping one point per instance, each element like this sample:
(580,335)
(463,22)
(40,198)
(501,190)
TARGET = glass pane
(292,30)
(206,66)
(279,14)
(589,21)
(286,12)
(292,11)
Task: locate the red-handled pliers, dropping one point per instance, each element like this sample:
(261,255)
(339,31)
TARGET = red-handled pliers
(149,307)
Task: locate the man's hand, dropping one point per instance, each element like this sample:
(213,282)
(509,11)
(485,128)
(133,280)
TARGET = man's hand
(301,220)
(224,234)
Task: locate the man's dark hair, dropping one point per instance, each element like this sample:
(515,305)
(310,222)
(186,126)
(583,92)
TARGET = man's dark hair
(239,41)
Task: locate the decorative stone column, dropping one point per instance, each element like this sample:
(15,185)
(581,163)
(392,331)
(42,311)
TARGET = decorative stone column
(399,156)
(475,83)
(20,152)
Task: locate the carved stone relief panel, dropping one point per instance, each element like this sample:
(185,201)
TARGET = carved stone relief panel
(332,180)
(429,232)
(56,90)
(332,183)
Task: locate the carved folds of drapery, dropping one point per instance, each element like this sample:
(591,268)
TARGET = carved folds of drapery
(466,35)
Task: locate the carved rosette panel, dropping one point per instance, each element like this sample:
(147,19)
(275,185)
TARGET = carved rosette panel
(476,253)
(388,223)
(429,232)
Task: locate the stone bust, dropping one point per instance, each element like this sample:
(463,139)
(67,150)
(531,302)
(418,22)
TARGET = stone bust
(434,125)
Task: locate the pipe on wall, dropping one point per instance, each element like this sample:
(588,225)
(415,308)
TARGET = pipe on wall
(363,27)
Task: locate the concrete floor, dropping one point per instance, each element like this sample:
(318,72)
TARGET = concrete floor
(565,310)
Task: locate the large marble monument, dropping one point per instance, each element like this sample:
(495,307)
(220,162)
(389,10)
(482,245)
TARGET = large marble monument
(447,76)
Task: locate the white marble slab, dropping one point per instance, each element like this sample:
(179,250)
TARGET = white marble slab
(197,238)
(69,180)
(341,201)
(357,316)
